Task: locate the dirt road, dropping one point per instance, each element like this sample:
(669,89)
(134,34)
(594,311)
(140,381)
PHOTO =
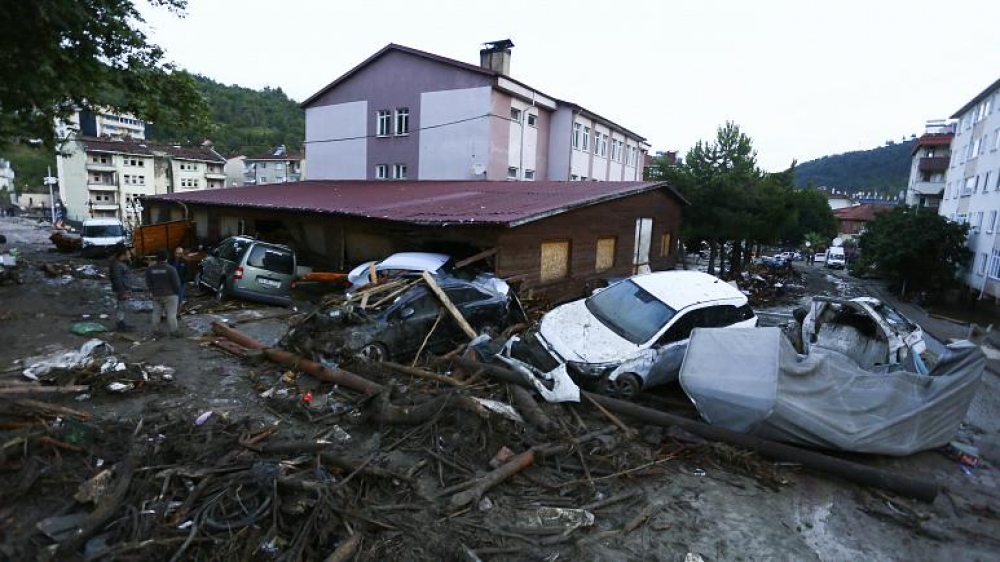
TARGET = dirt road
(715,502)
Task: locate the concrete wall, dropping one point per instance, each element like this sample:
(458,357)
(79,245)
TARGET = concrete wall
(339,159)
(559,142)
(452,152)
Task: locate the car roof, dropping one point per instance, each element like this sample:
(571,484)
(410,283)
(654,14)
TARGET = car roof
(681,289)
(101,221)
(419,261)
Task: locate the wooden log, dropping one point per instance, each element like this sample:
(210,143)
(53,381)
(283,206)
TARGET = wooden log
(476,257)
(855,472)
(48,409)
(478,487)
(39,389)
(448,305)
(106,509)
(345,551)
(339,377)
(532,412)
(422,373)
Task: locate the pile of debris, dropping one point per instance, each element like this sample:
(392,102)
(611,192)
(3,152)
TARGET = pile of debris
(65,243)
(765,285)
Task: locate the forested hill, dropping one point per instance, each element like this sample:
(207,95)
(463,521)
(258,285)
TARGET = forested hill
(244,121)
(886,169)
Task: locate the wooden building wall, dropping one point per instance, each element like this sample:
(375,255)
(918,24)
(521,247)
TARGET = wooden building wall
(328,242)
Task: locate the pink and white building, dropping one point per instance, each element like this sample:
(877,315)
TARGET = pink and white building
(409,114)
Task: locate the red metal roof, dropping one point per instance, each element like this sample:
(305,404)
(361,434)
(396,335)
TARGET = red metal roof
(932,140)
(862,213)
(149,148)
(424,202)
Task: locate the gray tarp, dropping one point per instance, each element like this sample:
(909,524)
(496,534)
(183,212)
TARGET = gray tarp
(752,381)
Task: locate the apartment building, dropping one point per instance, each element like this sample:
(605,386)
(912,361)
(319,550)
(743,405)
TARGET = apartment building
(278,166)
(104,177)
(406,114)
(931,157)
(103,123)
(972,187)
(7,176)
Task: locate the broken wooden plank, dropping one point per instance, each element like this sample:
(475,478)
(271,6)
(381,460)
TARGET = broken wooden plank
(448,305)
(422,373)
(38,389)
(476,257)
(40,407)
(372,273)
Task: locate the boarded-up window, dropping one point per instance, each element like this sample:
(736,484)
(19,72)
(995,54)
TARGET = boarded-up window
(665,244)
(605,254)
(555,260)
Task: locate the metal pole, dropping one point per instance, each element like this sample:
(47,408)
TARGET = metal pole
(52,200)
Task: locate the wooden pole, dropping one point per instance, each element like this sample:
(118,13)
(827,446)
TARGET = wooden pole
(429,279)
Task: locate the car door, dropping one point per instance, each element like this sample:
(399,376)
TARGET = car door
(211,267)
(672,346)
(479,309)
(411,321)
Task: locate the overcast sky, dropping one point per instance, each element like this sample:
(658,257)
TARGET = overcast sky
(803,79)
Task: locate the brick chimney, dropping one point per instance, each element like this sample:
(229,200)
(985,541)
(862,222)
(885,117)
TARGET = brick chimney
(496,56)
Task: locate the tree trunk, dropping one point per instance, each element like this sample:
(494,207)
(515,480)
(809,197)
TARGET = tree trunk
(713,251)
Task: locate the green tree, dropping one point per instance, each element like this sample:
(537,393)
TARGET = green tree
(913,251)
(58,55)
(813,214)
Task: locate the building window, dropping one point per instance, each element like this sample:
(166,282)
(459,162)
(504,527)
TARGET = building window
(512,173)
(515,114)
(981,264)
(605,254)
(555,261)
(403,121)
(991,222)
(399,171)
(574,177)
(383,123)
(529,174)
(586,138)
(603,144)
(977,221)
(994,271)
(532,120)
(665,245)
(382,172)
(263,179)
(577,133)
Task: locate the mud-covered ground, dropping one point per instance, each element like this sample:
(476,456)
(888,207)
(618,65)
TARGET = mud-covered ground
(714,502)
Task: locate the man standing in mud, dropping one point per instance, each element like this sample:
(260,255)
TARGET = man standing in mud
(121,284)
(165,286)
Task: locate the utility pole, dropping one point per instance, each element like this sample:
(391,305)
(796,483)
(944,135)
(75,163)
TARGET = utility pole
(50,181)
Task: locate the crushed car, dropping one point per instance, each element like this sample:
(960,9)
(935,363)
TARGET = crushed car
(409,322)
(633,334)
(399,264)
(250,269)
(753,381)
(868,330)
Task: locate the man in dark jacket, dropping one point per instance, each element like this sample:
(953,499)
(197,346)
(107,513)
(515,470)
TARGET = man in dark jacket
(181,265)
(121,284)
(165,286)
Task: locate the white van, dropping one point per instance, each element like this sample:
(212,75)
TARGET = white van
(835,258)
(100,235)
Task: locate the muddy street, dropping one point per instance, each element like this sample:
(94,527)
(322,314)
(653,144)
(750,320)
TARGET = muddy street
(195,448)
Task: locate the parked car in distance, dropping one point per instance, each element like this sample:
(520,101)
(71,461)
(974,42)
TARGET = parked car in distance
(99,236)
(243,267)
(633,334)
(402,263)
(397,331)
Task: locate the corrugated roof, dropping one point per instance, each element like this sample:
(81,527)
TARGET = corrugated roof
(147,148)
(864,212)
(424,202)
(932,140)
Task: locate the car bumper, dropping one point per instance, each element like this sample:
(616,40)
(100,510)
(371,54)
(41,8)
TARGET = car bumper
(244,294)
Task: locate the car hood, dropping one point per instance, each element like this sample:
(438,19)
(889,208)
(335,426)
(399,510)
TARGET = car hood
(577,335)
(102,240)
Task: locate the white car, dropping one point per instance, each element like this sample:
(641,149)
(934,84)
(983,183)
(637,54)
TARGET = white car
(633,334)
(398,264)
(102,235)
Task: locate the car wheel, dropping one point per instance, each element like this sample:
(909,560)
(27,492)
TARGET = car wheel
(221,292)
(626,386)
(374,352)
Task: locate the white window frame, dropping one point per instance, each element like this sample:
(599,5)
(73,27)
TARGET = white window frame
(399,171)
(383,123)
(382,172)
(512,172)
(586,138)
(529,175)
(981,263)
(532,120)
(515,114)
(994,270)
(991,222)
(577,133)
(604,145)
(402,121)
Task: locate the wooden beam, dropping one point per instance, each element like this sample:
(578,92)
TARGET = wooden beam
(476,257)
(462,323)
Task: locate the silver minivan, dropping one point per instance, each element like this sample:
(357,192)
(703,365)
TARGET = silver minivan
(249,269)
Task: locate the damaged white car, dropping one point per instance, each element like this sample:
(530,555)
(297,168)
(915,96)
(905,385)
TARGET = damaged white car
(866,329)
(633,334)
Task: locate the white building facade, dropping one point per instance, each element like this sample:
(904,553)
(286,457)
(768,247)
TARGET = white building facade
(972,187)
(931,158)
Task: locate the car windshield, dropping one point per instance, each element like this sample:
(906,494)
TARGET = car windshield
(271,259)
(630,311)
(893,317)
(103,230)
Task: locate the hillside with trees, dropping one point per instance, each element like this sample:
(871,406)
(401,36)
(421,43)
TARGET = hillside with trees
(241,120)
(885,169)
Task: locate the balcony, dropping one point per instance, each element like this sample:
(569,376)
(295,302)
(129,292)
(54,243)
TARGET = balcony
(102,206)
(928,187)
(215,175)
(102,186)
(99,167)
(934,165)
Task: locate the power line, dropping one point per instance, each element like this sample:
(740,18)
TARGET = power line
(438,126)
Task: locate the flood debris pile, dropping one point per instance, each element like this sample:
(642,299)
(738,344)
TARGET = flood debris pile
(764,284)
